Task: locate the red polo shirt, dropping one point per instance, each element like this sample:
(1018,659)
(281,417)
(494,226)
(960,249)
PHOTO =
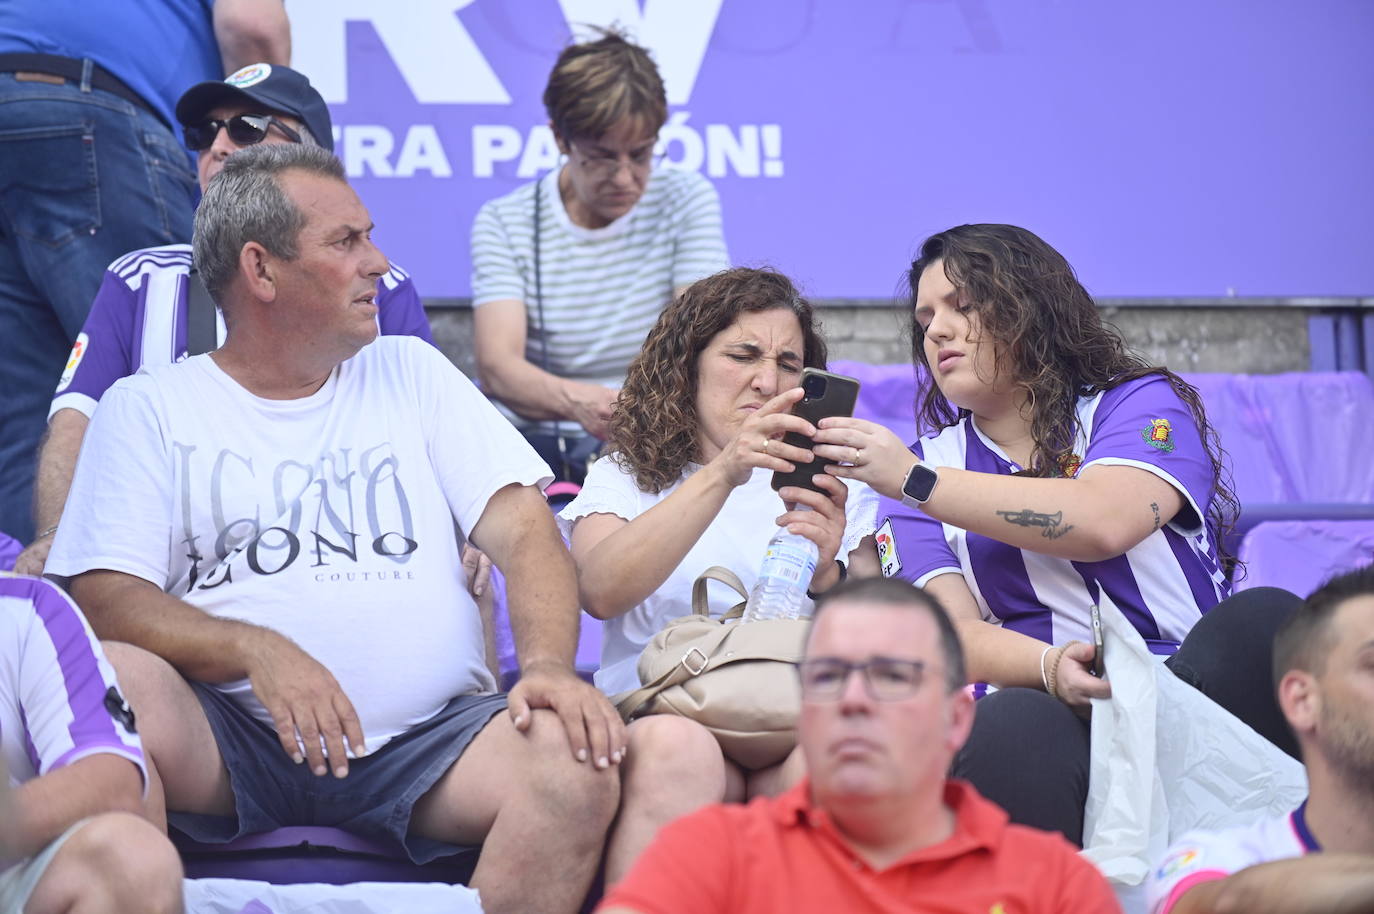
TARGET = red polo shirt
(785,856)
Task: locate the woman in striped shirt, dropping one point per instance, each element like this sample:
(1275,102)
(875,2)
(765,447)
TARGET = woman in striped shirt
(570,271)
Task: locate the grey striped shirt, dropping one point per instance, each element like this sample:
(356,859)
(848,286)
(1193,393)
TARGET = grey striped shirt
(602,288)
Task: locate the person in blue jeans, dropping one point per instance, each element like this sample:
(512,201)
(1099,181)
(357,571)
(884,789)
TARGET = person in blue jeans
(90,168)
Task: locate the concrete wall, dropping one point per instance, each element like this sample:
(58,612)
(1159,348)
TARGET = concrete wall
(1193,338)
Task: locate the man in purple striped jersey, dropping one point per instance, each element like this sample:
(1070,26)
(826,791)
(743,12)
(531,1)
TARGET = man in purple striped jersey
(140,314)
(71,769)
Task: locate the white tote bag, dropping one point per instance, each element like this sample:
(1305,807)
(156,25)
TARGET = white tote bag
(1167,759)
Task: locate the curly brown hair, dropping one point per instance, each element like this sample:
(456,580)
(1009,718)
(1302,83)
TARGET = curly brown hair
(1051,340)
(654,429)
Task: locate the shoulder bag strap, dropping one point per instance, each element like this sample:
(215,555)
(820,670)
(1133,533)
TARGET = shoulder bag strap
(725,576)
(689,666)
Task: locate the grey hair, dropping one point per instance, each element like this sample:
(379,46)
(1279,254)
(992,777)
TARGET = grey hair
(245,202)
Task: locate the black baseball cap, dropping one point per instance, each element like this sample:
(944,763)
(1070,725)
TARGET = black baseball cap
(270,86)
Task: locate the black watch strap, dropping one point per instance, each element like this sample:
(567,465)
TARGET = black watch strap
(844,573)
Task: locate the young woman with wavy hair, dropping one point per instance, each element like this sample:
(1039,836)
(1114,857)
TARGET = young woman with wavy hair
(1062,471)
(695,437)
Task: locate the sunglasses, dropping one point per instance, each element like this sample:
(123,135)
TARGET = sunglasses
(244,130)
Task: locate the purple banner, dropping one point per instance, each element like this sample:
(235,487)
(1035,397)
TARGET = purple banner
(1166,147)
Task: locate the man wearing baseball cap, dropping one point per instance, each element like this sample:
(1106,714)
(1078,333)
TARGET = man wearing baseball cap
(151,308)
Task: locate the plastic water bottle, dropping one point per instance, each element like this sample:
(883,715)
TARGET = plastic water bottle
(784,578)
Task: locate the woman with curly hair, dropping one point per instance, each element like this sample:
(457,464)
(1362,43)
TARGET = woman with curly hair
(695,437)
(1063,470)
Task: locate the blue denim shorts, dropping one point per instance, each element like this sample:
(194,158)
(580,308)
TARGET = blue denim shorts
(375,800)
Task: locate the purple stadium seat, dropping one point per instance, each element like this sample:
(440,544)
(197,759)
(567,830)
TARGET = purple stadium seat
(1301,555)
(312,854)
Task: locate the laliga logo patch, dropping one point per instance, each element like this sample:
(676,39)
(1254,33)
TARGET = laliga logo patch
(1178,861)
(73,361)
(887,549)
(250,75)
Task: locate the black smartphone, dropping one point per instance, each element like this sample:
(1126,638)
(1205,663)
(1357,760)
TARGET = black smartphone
(826,394)
(1099,667)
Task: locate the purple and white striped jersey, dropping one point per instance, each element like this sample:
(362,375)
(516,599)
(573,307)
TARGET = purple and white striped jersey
(58,698)
(1162,585)
(139,318)
(1203,856)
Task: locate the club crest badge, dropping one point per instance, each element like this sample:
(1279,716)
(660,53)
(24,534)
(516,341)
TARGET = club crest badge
(1159,435)
(887,550)
(250,75)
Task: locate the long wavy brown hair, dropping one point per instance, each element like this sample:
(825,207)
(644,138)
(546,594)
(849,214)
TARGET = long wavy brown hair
(654,428)
(1050,339)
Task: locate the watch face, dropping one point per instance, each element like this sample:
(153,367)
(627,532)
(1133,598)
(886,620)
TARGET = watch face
(919,482)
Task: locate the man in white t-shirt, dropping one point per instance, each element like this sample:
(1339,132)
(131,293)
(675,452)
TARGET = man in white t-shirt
(276,521)
(1320,857)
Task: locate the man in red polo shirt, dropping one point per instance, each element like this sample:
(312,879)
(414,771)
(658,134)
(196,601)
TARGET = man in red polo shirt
(877,827)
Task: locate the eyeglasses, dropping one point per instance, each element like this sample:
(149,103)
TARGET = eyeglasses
(244,130)
(602,166)
(885,678)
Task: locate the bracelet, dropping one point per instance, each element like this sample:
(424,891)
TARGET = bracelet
(46,533)
(1052,677)
(844,573)
(1045,680)
(1054,669)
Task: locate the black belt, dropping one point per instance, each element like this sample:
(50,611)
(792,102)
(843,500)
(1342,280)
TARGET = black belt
(70,69)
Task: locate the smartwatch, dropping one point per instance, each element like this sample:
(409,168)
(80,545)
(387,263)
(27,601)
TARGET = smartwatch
(920,482)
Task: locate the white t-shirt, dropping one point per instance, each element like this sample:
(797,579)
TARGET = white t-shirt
(736,539)
(329,518)
(1201,856)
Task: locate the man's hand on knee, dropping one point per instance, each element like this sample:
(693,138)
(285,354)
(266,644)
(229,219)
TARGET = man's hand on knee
(594,729)
(306,703)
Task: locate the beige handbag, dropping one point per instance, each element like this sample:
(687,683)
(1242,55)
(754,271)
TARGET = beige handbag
(737,680)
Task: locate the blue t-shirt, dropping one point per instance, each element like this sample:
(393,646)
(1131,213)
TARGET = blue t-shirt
(158,48)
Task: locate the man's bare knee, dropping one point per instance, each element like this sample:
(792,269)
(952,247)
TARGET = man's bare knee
(671,755)
(568,787)
(177,738)
(138,668)
(118,858)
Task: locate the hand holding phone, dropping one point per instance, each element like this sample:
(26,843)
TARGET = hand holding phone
(1095,620)
(825,394)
